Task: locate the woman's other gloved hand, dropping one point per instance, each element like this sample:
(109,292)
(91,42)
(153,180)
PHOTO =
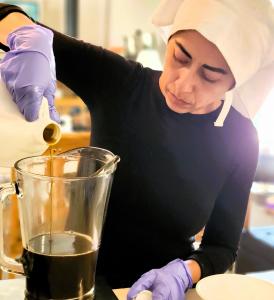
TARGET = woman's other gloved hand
(168,283)
(28,70)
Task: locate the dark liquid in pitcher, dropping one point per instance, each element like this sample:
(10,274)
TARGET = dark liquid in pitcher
(59,266)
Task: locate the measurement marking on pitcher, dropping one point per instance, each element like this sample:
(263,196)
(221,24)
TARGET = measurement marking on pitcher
(52,152)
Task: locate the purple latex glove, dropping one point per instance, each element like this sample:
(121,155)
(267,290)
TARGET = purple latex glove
(168,283)
(28,70)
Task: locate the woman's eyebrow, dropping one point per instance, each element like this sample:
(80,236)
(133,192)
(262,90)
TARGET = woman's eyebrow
(215,69)
(183,49)
(210,68)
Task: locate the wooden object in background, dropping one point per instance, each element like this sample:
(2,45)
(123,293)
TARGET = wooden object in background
(77,112)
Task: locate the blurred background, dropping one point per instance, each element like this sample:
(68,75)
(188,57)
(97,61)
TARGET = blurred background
(99,22)
(123,26)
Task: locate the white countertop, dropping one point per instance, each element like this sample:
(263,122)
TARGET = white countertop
(121,294)
(13,289)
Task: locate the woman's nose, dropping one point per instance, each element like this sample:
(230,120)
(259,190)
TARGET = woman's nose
(185,83)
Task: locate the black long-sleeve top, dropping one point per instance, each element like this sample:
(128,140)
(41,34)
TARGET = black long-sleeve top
(178,173)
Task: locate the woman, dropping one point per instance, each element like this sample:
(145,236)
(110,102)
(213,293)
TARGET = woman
(187,158)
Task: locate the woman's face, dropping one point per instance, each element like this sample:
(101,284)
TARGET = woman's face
(195,76)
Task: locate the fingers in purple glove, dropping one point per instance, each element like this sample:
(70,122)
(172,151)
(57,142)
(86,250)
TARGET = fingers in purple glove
(143,283)
(54,115)
(163,288)
(29,102)
(167,283)
(49,95)
(28,70)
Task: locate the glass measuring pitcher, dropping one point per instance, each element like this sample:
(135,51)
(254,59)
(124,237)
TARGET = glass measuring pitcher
(62,204)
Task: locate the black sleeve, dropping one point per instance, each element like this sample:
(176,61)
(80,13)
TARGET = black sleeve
(220,241)
(6,9)
(91,72)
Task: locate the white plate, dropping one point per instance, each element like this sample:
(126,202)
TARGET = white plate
(234,287)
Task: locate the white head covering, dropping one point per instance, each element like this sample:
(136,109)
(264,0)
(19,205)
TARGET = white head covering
(243,30)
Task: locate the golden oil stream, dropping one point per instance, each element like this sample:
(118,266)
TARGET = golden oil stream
(52,152)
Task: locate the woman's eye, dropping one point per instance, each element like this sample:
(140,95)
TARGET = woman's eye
(212,78)
(180,59)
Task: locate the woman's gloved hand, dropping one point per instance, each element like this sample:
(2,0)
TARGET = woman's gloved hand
(28,70)
(168,283)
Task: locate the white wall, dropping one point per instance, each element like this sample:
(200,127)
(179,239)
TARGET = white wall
(129,15)
(125,16)
(102,22)
(92,24)
(53,14)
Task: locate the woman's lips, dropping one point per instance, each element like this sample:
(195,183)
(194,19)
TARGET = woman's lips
(178,101)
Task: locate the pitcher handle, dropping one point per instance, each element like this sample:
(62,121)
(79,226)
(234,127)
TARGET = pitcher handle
(8,264)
